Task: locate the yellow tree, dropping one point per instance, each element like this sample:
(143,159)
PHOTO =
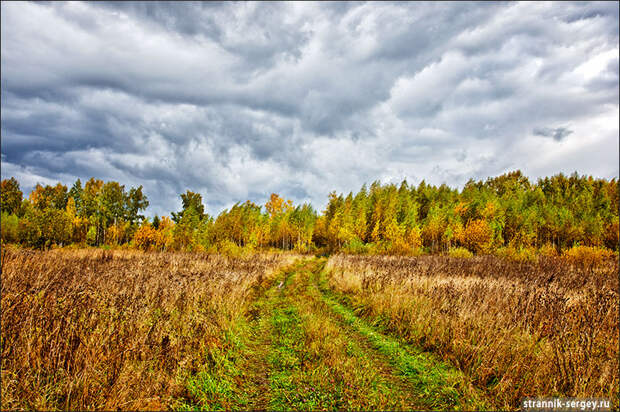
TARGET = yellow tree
(361,226)
(394,234)
(376,234)
(278,208)
(145,238)
(277,205)
(478,236)
(10,196)
(165,232)
(79,224)
(433,230)
(414,237)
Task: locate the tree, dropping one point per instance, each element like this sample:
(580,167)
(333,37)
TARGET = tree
(9,227)
(79,224)
(185,229)
(165,233)
(478,236)
(88,200)
(10,196)
(76,193)
(434,228)
(29,228)
(319,234)
(506,210)
(43,228)
(193,201)
(55,197)
(146,237)
(135,202)
(55,227)
(112,201)
(277,205)
(156,222)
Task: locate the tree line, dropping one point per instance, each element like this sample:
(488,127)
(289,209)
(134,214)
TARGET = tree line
(504,214)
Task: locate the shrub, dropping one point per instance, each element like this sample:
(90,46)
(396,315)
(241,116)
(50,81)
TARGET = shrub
(29,233)
(588,255)
(517,254)
(355,246)
(548,250)
(460,252)
(9,226)
(229,248)
(146,237)
(91,236)
(477,236)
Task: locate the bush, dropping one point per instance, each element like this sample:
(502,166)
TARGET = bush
(9,226)
(145,237)
(517,254)
(548,250)
(91,236)
(229,248)
(355,246)
(29,233)
(460,252)
(588,255)
(477,236)
(376,248)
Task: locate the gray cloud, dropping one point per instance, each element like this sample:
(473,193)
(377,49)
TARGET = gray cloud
(238,100)
(558,133)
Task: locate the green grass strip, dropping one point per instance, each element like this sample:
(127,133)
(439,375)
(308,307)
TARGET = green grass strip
(215,385)
(296,382)
(284,356)
(437,381)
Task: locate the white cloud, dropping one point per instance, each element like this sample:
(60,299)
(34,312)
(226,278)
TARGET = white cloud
(237,101)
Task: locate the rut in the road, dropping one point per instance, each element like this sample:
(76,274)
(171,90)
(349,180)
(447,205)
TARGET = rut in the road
(316,365)
(303,349)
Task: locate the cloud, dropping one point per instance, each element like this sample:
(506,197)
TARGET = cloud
(238,100)
(558,133)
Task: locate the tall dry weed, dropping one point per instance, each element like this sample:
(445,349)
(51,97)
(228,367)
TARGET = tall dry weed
(91,329)
(545,328)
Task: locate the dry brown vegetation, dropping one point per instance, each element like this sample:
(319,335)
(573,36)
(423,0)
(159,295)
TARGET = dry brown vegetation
(94,329)
(540,328)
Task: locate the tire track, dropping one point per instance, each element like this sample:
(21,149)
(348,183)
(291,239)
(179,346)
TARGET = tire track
(438,385)
(318,364)
(300,348)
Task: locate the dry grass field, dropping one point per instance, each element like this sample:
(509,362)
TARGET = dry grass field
(516,329)
(92,329)
(107,330)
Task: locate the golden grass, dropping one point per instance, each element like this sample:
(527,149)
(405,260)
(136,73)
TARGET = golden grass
(88,329)
(547,328)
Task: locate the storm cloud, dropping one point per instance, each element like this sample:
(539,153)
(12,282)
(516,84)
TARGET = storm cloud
(238,100)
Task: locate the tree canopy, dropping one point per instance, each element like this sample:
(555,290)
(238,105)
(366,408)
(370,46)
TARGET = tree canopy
(503,212)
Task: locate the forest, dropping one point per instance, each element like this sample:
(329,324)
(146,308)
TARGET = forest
(505,215)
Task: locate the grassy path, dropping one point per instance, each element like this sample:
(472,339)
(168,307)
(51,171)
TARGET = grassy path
(439,385)
(301,348)
(239,378)
(316,365)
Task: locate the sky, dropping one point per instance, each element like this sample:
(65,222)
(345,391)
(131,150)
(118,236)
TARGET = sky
(239,100)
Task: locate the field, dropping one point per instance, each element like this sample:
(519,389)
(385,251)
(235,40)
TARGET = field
(515,329)
(93,329)
(108,330)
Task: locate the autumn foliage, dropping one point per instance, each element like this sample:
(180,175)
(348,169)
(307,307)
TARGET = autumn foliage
(506,215)
(477,236)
